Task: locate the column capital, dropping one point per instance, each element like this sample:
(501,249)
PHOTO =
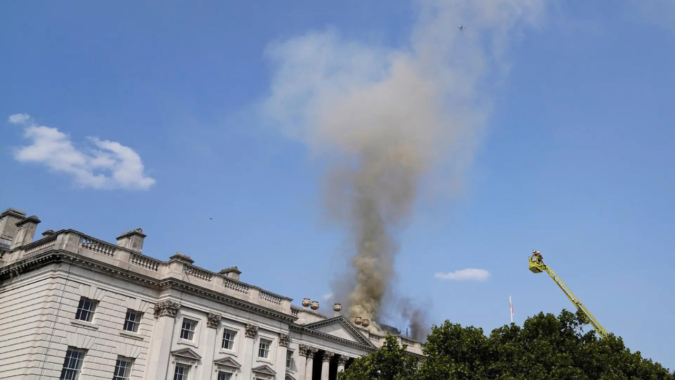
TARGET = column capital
(307,351)
(251,331)
(166,308)
(284,339)
(213,320)
(327,356)
(342,360)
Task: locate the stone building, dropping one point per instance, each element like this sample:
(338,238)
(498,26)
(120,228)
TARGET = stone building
(76,307)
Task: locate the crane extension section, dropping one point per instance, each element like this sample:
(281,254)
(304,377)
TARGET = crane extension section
(536,264)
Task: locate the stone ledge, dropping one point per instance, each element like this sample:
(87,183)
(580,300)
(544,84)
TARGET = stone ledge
(86,325)
(132,335)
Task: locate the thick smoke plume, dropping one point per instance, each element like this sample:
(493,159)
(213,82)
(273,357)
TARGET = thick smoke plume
(385,118)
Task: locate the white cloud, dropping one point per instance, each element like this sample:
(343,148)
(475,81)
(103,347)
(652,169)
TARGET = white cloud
(327,296)
(469,274)
(106,165)
(19,118)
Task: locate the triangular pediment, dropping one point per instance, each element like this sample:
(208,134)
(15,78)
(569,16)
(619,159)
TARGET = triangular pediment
(340,327)
(186,354)
(289,377)
(227,362)
(264,370)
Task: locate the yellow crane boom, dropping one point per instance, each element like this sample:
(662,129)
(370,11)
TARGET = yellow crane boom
(536,264)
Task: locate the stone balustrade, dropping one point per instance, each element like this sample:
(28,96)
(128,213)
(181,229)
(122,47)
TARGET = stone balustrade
(87,246)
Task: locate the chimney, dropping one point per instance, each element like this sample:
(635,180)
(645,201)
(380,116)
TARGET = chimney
(8,220)
(25,231)
(132,240)
(232,273)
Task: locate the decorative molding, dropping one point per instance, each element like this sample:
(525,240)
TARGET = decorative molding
(264,370)
(186,355)
(284,339)
(213,320)
(251,330)
(303,330)
(342,360)
(327,356)
(344,322)
(227,362)
(166,308)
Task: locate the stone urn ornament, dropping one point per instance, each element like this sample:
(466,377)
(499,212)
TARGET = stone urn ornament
(306,302)
(357,320)
(365,322)
(315,305)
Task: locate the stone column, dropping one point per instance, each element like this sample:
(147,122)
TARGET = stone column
(302,361)
(309,366)
(160,346)
(342,360)
(325,366)
(212,323)
(284,342)
(249,351)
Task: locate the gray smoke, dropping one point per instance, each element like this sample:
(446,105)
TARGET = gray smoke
(384,118)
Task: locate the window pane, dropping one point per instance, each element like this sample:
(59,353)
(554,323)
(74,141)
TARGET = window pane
(224,376)
(85,309)
(228,339)
(264,349)
(188,329)
(181,372)
(72,364)
(132,321)
(122,369)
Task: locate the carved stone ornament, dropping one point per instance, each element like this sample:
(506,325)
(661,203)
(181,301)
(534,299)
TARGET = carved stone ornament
(284,340)
(251,331)
(327,356)
(309,352)
(342,360)
(302,350)
(166,308)
(213,320)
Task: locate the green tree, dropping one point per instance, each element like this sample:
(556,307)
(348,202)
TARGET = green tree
(546,347)
(390,362)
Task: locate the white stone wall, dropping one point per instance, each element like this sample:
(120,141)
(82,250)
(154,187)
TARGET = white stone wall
(38,322)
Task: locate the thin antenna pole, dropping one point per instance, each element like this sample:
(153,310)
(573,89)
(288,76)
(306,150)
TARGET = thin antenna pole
(511,308)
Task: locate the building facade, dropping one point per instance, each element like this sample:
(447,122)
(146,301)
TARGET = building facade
(76,307)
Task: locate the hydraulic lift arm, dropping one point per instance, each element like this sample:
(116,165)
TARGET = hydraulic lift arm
(536,265)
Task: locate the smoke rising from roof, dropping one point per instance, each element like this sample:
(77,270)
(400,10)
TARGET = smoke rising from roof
(385,118)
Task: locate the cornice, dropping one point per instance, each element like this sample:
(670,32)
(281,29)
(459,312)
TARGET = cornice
(58,256)
(344,323)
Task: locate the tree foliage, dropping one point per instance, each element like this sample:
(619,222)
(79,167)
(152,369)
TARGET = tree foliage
(546,347)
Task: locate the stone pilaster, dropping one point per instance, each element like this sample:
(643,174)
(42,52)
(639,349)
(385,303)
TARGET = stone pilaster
(212,323)
(280,363)
(160,346)
(251,331)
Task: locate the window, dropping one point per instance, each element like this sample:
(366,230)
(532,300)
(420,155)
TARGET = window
(289,360)
(72,364)
(187,331)
(85,310)
(228,339)
(181,372)
(264,349)
(132,320)
(224,375)
(122,368)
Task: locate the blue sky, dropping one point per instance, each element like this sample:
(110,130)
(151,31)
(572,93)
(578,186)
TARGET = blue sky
(574,159)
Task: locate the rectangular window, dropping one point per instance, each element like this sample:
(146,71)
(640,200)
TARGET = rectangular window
(181,372)
(289,360)
(85,310)
(122,368)
(132,320)
(224,375)
(264,348)
(187,331)
(72,364)
(228,339)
